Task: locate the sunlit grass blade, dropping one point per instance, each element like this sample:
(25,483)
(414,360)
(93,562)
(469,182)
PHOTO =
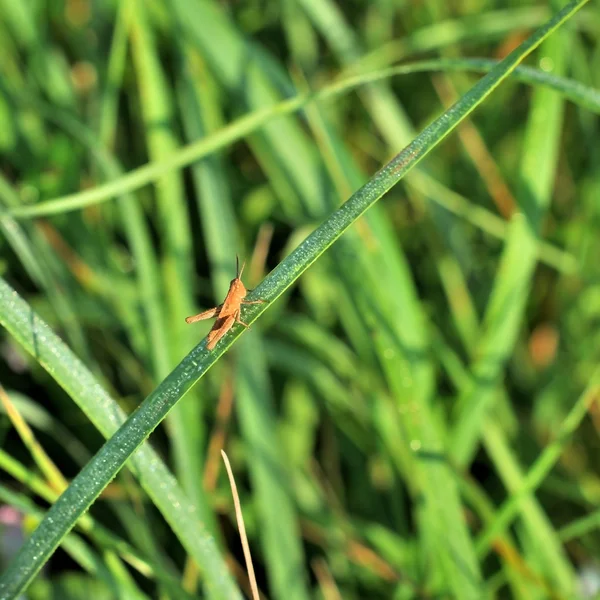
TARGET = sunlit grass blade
(42,420)
(151,172)
(40,456)
(494,24)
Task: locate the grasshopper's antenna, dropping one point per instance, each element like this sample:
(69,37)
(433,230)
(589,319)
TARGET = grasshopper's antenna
(237,267)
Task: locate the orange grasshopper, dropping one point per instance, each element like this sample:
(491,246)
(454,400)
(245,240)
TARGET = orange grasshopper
(229,312)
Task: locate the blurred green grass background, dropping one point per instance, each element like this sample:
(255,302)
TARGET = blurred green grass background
(418,417)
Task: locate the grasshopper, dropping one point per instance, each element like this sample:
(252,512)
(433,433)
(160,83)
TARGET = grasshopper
(229,312)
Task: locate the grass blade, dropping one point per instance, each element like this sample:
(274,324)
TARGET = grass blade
(283,551)
(39,340)
(583,95)
(507,302)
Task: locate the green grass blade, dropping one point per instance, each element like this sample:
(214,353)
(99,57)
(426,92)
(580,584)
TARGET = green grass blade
(583,95)
(507,303)
(79,551)
(547,552)
(176,244)
(282,548)
(114,75)
(270,477)
(442,34)
(38,339)
(409,375)
(201,117)
(157,110)
(580,527)
(504,315)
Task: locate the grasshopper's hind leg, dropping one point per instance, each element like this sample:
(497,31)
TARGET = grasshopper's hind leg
(211,313)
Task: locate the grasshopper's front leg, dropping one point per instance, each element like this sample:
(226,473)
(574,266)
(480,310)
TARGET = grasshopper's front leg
(238,320)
